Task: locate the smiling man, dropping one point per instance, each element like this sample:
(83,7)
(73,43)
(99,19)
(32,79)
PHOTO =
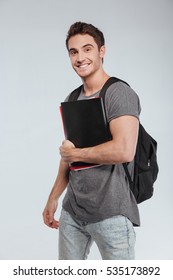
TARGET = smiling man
(85,56)
(98,205)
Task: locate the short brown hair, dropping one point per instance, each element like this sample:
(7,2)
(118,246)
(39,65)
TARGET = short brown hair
(85,28)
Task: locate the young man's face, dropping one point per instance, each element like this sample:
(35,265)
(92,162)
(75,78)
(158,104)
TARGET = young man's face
(84,54)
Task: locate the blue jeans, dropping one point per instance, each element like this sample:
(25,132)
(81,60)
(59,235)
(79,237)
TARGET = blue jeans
(115,238)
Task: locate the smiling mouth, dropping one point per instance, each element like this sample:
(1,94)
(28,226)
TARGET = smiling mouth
(83,66)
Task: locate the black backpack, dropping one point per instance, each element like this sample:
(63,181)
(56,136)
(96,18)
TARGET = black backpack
(145,161)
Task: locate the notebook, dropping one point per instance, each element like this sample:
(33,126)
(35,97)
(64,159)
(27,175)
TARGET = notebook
(85,125)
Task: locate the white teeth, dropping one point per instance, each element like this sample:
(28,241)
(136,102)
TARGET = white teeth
(83,66)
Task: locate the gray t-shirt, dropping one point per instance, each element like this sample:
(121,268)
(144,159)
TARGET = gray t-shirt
(101,192)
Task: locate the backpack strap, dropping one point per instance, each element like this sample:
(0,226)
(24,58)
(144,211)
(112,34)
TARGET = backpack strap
(109,82)
(125,164)
(75,94)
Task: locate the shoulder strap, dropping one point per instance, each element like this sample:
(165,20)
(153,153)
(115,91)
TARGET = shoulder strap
(125,164)
(109,82)
(75,94)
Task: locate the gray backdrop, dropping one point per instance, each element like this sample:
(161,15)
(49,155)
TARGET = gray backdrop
(36,75)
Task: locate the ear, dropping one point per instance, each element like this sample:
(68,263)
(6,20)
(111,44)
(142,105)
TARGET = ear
(102,51)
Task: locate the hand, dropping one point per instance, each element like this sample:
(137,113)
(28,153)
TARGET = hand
(48,214)
(66,151)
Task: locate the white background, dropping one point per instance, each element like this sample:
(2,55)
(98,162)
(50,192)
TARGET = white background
(36,75)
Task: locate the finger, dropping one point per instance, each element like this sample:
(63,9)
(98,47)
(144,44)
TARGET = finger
(48,218)
(54,224)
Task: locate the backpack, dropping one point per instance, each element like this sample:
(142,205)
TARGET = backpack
(145,160)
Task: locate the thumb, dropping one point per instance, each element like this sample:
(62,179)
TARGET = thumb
(67,143)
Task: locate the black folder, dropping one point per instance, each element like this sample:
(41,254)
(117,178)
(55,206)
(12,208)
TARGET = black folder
(85,124)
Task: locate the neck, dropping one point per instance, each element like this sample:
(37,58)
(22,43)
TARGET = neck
(94,83)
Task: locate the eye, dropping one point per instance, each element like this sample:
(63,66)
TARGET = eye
(72,52)
(88,49)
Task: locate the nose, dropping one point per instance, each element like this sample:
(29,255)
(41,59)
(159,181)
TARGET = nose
(80,57)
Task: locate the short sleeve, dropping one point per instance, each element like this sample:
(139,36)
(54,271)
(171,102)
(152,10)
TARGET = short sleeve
(121,100)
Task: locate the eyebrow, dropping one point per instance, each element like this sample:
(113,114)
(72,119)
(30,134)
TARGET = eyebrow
(87,45)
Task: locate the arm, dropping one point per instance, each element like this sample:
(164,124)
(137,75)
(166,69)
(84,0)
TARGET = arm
(121,148)
(58,188)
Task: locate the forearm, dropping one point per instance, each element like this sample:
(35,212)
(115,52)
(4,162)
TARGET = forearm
(121,148)
(61,181)
(110,152)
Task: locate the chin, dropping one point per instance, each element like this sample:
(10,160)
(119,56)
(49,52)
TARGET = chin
(84,75)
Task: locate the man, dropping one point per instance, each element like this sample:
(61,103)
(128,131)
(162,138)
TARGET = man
(98,205)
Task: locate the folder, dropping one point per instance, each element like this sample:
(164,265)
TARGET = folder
(85,125)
